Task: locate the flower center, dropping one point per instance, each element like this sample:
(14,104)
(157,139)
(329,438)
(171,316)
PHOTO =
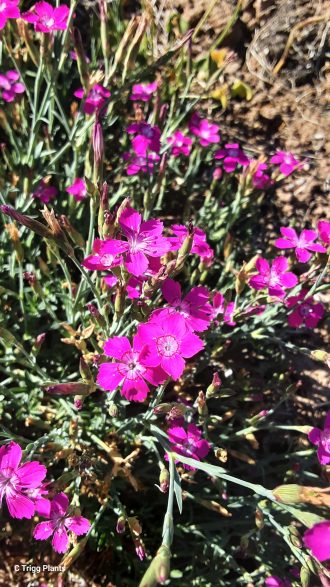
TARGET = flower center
(305,309)
(167,345)
(130,367)
(8,479)
(48,22)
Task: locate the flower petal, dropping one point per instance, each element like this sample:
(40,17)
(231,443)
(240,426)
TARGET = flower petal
(43,530)
(115,347)
(108,377)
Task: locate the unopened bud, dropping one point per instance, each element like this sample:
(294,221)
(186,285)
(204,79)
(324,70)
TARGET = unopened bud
(98,148)
(84,370)
(214,387)
(81,59)
(134,526)
(68,388)
(113,409)
(201,404)
(78,402)
(119,301)
(259,519)
(120,526)
(164,480)
(162,564)
(305,577)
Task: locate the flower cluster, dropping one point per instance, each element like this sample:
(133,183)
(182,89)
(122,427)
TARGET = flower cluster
(22,488)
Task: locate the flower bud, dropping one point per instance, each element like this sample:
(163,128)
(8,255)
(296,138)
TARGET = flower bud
(201,404)
(164,480)
(78,402)
(121,523)
(113,410)
(259,519)
(81,59)
(69,388)
(84,370)
(98,148)
(104,29)
(162,564)
(305,577)
(214,387)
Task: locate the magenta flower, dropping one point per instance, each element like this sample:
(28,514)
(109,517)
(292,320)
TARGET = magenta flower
(59,523)
(180,144)
(46,18)
(206,132)
(168,343)
(232,156)
(188,443)
(9,86)
(128,371)
(286,161)
(8,9)
(146,138)
(44,192)
(103,261)
(200,246)
(305,310)
(261,180)
(143,92)
(221,306)
(275,581)
(16,480)
(302,244)
(317,539)
(194,307)
(323,227)
(78,189)
(321,438)
(95,99)
(275,278)
(144,239)
(137,163)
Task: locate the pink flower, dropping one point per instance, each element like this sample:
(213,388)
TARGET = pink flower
(207,133)
(44,192)
(128,371)
(317,539)
(95,99)
(188,443)
(180,144)
(321,438)
(276,278)
(59,523)
(168,343)
(144,239)
(302,244)
(194,307)
(78,189)
(147,138)
(305,311)
(8,9)
(9,86)
(16,480)
(46,18)
(275,581)
(286,161)
(232,156)
(200,246)
(261,180)
(137,163)
(143,92)
(323,227)
(221,306)
(100,260)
